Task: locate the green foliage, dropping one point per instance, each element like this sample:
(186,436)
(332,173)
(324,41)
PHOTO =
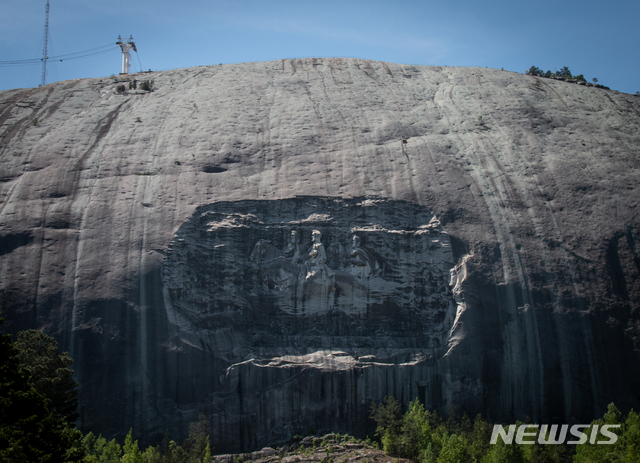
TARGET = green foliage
(534,71)
(153,455)
(564,73)
(390,444)
(627,447)
(38,400)
(389,420)
(131,450)
(387,416)
(422,436)
(418,433)
(197,444)
(196,448)
(49,371)
(416,430)
(503,453)
(479,439)
(146,85)
(98,450)
(454,449)
(30,428)
(631,438)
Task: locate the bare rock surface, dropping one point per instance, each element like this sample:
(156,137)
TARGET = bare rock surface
(478,244)
(328,449)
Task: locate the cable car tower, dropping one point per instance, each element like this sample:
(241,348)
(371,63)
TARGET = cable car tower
(44,51)
(125,46)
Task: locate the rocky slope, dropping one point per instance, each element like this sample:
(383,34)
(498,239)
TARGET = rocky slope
(328,449)
(477,245)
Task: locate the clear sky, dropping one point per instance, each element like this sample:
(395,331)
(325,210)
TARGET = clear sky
(597,39)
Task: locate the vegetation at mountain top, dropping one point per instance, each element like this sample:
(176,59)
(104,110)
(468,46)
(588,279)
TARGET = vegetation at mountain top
(422,436)
(563,73)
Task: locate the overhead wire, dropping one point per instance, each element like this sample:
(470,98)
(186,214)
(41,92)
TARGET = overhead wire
(139,63)
(68,56)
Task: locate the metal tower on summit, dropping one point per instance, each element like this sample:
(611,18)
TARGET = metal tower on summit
(126,46)
(46,39)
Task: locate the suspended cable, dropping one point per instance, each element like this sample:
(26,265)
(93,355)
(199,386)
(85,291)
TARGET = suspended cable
(68,56)
(139,63)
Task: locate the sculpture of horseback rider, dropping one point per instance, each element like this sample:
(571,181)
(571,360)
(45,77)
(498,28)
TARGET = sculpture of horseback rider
(316,267)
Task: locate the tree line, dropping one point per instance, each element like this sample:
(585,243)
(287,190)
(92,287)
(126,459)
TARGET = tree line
(563,73)
(423,436)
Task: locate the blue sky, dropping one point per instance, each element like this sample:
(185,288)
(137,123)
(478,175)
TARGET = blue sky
(597,39)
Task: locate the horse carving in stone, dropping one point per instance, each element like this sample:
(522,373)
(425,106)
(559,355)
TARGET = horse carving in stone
(276,272)
(264,251)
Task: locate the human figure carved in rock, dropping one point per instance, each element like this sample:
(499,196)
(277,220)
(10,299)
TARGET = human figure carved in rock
(292,250)
(276,272)
(316,268)
(362,264)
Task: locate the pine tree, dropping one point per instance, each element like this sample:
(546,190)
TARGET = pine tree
(454,449)
(389,420)
(197,444)
(50,373)
(631,438)
(131,450)
(416,431)
(31,430)
(504,453)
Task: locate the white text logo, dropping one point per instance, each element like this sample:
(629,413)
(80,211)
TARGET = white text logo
(545,434)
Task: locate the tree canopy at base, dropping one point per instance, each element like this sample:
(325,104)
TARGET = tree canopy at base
(49,371)
(422,436)
(31,429)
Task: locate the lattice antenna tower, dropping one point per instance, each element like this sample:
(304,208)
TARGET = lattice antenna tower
(46,40)
(126,46)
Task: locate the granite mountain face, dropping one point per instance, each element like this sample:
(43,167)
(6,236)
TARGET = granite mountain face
(279,244)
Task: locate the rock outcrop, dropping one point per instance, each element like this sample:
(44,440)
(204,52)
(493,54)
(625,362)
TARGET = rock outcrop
(466,236)
(325,449)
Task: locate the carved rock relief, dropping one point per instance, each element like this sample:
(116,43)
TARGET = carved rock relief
(309,283)
(279,277)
